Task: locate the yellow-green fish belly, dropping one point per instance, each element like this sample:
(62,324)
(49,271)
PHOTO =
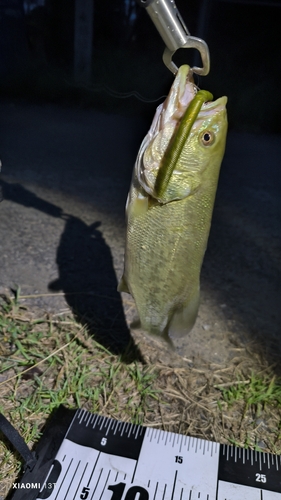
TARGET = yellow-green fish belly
(164,253)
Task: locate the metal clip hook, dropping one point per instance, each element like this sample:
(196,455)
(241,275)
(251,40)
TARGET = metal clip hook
(171,27)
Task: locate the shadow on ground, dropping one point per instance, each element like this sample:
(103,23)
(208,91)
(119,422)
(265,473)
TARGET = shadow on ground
(86,275)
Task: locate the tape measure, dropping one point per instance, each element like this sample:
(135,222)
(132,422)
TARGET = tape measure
(99,458)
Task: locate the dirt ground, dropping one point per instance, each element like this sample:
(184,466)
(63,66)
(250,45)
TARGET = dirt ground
(65,177)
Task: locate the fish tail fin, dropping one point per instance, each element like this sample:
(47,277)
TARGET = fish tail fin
(184,318)
(123,287)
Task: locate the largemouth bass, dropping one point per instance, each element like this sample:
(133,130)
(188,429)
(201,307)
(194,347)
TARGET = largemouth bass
(169,207)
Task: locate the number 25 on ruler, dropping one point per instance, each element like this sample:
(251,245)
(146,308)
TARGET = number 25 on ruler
(118,490)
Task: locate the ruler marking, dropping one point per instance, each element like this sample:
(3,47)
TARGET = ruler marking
(63,478)
(174,485)
(181,444)
(217,486)
(88,419)
(169,439)
(155,491)
(102,422)
(116,427)
(95,421)
(108,423)
(105,484)
(81,479)
(90,478)
(79,413)
(82,416)
(134,472)
(123,426)
(108,427)
(97,484)
(138,428)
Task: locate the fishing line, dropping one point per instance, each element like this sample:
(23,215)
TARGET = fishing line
(115,93)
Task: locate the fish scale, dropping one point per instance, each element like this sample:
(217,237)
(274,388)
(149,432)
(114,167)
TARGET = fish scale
(167,250)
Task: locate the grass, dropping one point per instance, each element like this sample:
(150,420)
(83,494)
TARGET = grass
(49,361)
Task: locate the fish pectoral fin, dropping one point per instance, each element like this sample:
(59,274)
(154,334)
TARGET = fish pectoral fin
(184,318)
(123,287)
(138,207)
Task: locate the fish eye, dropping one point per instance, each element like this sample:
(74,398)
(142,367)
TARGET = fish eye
(207,137)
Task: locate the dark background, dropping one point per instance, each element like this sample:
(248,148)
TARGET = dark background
(37,56)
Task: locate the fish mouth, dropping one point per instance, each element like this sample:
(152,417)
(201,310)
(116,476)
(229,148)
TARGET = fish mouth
(172,125)
(180,96)
(214,106)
